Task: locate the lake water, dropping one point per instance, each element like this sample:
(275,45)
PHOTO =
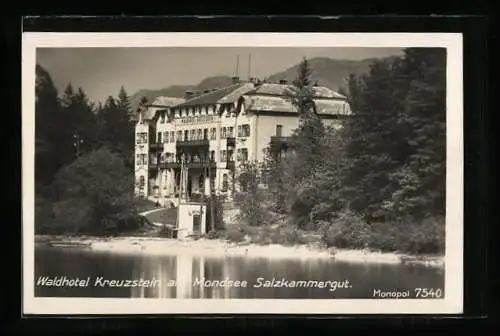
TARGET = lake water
(178,275)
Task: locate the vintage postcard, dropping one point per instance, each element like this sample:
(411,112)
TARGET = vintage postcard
(236,173)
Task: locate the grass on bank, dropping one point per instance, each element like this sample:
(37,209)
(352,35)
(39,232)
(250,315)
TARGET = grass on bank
(142,204)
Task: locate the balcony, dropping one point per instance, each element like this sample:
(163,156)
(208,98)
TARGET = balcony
(199,165)
(279,143)
(193,143)
(280,139)
(156,146)
(194,164)
(170,165)
(231,142)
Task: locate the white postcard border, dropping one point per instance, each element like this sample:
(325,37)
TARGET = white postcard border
(451,304)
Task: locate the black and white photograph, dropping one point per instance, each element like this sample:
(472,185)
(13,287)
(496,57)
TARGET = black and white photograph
(242,173)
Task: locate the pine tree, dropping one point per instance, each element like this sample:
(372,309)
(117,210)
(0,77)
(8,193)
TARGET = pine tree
(306,146)
(374,148)
(396,145)
(81,131)
(116,130)
(68,96)
(420,182)
(48,122)
(124,101)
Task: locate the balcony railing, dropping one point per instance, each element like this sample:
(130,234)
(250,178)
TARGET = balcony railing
(193,143)
(156,145)
(280,139)
(191,164)
(279,143)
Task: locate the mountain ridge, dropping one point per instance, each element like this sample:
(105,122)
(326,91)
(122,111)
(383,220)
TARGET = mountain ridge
(328,72)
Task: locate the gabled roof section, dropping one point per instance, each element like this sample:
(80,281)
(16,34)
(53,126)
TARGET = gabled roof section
(276,89)
(159,104)
(167,101)
(281,104)
(228,94)
(236,94)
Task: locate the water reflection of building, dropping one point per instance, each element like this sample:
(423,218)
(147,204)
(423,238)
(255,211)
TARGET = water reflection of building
(162,269)
(185,270)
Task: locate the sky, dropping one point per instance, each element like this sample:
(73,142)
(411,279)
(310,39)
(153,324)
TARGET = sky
(100,72)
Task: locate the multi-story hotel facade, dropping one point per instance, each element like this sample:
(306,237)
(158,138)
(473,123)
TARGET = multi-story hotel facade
(192,146)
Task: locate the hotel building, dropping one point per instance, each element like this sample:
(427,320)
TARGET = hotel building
(192,146)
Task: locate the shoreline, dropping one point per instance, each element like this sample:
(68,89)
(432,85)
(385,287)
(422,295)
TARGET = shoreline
(220,248)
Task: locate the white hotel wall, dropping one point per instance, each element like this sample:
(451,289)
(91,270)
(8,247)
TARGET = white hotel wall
(142,148)
(266,128)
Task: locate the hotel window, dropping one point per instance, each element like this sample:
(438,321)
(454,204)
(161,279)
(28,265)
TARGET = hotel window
(186,135)
(223,135)
(179,135)
(206,109)
(162,117)
(205,134)
(212,156)
(230,155)
(165,137)
(279,130)
(142,138)
(159,137)
(242,154)
(223,156)
(172,136)
(212,133)
(231,130)
(240,133)
(199,134)
(245,130)
(225,182)
(142,159)
(192,134)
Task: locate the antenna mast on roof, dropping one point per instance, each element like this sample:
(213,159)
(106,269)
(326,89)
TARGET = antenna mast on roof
(249,65)
(237,65)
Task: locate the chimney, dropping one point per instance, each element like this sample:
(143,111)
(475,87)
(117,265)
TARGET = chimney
(188,94)
(235,79)
(283,81)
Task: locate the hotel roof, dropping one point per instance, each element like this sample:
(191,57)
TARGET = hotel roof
(283,89)
(273,98)
(263,97)
(229,94)
(167,101)
(284,105)
(160,103)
